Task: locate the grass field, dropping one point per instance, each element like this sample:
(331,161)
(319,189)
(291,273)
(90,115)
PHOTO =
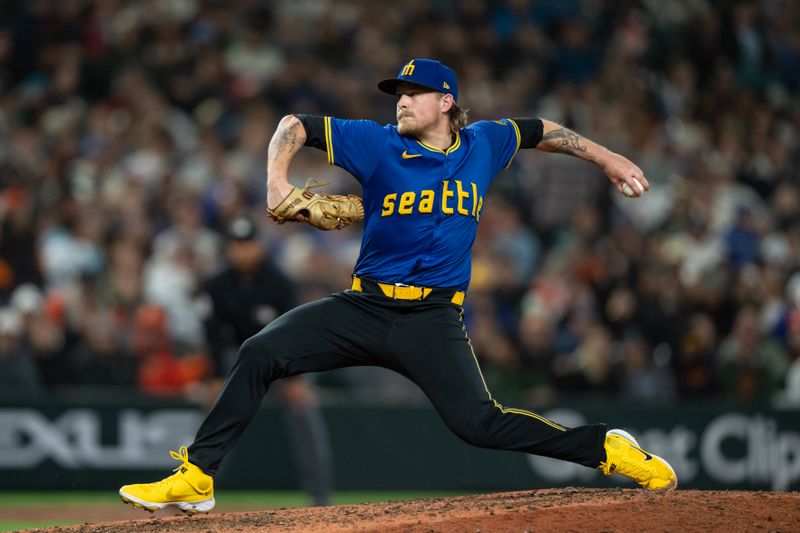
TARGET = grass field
(17,508)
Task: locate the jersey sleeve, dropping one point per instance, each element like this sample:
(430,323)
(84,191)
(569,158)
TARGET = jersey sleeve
(504,139)
(355,145)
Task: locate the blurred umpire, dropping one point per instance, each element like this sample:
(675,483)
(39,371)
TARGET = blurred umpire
(244,297)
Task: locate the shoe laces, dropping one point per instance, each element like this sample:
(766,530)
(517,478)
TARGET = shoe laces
(181,455)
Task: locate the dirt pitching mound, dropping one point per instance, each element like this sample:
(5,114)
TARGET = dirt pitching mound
(541,510)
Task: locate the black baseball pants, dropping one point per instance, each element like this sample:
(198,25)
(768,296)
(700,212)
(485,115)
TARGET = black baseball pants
(424,340)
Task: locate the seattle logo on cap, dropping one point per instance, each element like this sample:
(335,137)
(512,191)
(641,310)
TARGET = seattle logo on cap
(425,73)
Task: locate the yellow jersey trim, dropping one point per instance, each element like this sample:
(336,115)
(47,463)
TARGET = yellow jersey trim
(456,145)
(431,148)
(450,150)
(328,140)
(504,410)
(519,140)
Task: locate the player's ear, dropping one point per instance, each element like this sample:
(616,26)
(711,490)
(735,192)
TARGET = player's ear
(446,102)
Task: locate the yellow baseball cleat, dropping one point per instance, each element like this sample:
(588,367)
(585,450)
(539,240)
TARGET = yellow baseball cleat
(624,456)
(190,489)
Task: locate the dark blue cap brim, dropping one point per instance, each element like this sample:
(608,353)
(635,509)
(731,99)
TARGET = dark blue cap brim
(390,86)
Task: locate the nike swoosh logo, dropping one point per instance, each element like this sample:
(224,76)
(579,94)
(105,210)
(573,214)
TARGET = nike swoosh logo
(647,456)
(406,155)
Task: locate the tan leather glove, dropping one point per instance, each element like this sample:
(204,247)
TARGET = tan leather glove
(323,211)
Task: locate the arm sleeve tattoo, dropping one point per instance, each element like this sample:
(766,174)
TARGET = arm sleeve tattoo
(568,141)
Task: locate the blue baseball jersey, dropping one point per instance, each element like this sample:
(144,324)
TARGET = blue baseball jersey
(421,204)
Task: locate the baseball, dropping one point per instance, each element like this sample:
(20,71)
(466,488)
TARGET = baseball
(627,191)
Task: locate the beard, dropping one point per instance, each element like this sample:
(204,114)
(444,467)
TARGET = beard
(407,126)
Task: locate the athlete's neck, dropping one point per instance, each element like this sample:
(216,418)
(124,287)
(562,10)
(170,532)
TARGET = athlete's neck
(440,137)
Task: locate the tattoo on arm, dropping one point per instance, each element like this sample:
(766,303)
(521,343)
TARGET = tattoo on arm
(570,142)
(288,138)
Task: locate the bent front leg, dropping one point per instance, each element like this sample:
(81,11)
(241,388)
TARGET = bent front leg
(318,336)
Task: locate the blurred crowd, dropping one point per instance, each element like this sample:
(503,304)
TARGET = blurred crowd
(135,131)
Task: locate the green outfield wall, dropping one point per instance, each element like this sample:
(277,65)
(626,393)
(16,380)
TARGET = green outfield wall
(102,443)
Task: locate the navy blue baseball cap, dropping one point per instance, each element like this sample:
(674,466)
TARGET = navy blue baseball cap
(427,73)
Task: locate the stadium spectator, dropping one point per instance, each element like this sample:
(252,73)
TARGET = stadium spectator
(17,368)
(752,367)
(135,132)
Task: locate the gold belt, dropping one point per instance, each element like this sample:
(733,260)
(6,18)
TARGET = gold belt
(405,292)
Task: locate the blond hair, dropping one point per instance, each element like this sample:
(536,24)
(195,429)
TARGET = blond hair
(458,118)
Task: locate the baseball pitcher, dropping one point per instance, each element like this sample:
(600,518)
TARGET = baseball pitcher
(424,184)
